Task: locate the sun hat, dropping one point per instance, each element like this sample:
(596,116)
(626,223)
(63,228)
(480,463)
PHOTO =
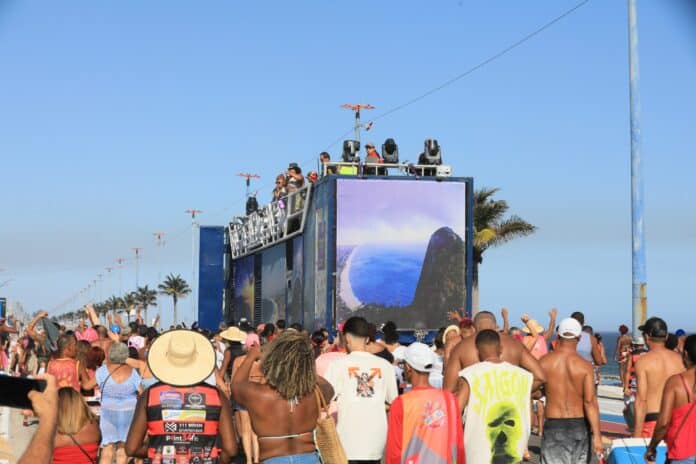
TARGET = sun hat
(538,329)
(450,328)
(233,334)
(420,357)
(181,358)
(569,328)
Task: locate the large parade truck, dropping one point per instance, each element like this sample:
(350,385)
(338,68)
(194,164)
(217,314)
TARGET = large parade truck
(393,243)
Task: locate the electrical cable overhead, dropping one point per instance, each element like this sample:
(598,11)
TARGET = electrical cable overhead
(178,234)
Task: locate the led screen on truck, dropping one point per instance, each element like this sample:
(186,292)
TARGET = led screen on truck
(400,250)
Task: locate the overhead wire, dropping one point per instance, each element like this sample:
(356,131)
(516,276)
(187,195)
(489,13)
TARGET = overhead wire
(420,97)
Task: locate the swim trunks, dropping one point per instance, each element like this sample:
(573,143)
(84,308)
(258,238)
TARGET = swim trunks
(649,424)
(566,440)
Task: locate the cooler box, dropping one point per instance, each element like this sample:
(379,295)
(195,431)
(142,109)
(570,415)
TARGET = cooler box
(632,450)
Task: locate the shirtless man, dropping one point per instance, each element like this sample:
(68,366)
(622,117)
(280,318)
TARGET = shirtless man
(465,354)
(570,401)
(652,371)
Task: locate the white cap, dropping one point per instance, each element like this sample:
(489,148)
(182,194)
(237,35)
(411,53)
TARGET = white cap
(569,328)
(420,357)
(399,353)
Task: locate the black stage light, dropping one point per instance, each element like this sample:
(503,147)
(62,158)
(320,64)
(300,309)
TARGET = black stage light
(390,151)
(431,153)
(252,205)
(351,148)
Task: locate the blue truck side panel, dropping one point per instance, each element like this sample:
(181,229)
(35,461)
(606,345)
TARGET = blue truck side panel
(211,276)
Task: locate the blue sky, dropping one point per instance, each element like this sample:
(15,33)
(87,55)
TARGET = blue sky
(115,117)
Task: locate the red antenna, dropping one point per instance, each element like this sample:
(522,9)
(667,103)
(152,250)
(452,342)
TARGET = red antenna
(193,213)
(248,178)
(356,108)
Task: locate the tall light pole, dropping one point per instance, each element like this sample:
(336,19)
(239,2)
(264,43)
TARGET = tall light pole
(120,262)
(160,243)
(108,279)
(639,287)
(99,276)
(194,224)
(137,251)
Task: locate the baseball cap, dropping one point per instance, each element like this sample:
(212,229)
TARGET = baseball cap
(370,144)
(569,328)
(680,332)
(654,327)
(115,328)
(420,357)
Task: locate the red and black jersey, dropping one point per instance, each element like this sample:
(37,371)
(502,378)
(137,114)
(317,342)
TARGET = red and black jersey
(183,424)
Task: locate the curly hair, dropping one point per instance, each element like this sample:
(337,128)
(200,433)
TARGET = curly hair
(289,367)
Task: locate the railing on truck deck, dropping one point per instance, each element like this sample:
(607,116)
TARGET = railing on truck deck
(385,169)
(274,222)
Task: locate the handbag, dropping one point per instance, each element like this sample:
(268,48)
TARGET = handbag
(326,436)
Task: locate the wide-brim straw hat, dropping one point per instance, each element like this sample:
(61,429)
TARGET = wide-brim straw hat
(234,334)
(181,358)
(536,327)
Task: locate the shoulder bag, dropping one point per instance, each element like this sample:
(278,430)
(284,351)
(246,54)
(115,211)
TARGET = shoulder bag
(326,436)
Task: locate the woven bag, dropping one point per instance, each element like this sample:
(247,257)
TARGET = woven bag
(326,437)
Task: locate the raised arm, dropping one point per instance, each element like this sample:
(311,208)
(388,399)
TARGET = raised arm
(453,365)
(242,388)
(553,314)
(30,328)
(506,319)
(92,314)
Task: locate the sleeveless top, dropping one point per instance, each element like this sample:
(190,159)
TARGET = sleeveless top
(66,372)
(585,347)
(183,424)
(431,424)
(74,455)
(681,444)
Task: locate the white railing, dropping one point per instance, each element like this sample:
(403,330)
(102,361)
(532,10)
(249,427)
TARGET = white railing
(270,224)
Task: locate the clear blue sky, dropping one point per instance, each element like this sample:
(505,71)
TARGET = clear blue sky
(115,117)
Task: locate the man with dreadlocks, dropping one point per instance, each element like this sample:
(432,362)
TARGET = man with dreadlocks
(284,410)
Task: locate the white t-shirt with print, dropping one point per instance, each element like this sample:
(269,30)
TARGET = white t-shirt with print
(497,416)
(362,383)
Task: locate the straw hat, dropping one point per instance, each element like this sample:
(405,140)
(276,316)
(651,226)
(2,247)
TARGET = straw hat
(538,329)
(181,358)
(233,334)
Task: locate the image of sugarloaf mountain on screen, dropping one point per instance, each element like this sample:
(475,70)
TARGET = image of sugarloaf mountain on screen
(400,251)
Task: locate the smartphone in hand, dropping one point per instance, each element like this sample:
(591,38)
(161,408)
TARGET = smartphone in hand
(14,391)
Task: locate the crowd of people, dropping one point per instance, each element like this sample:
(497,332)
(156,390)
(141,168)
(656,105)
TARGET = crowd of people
(120,391)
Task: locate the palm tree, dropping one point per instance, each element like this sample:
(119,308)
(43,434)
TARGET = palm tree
(492,229)
(146,297)
(176,287)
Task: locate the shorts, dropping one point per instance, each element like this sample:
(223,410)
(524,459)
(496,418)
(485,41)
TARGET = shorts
(690,460)
(566,440)
(307,458)
(648,429)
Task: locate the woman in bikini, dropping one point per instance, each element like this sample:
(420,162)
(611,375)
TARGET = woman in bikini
(284,410)
(623,351)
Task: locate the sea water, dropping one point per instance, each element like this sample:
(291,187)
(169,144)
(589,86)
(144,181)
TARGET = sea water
(386,275)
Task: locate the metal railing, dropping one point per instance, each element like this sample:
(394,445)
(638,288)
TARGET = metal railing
(381,169)
(270,224)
